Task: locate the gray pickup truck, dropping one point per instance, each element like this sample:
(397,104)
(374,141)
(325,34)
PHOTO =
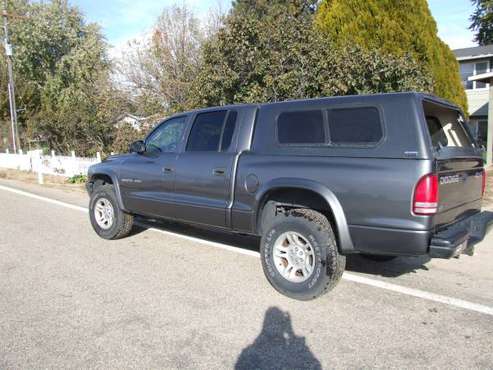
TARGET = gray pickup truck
(380,175)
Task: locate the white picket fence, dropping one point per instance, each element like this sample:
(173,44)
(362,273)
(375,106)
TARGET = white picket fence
(57,165)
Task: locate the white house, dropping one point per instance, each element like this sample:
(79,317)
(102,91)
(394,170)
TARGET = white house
(477,61)
(134,121)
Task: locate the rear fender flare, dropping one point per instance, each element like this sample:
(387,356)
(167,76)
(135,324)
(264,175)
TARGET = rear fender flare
(346,243)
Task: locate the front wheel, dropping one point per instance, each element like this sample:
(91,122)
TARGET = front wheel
(107,218)
(299,254)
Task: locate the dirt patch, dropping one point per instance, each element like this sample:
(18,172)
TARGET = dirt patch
(32,178)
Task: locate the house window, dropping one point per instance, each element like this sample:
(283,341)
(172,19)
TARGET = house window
(466,71)
(471,69)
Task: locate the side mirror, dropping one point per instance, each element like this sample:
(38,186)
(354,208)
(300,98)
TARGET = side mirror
(138,147)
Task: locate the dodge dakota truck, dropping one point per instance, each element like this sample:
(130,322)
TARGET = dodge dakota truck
(381,175)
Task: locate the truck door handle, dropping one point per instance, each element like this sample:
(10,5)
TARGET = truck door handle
(218,171)
(168,169)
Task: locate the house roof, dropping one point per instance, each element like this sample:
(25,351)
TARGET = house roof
(474,52)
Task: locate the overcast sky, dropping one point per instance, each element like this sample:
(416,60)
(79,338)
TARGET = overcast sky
(123,20)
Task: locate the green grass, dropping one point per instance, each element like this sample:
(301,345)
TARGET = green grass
(77,179)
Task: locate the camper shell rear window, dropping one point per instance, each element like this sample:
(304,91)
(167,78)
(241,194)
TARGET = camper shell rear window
(446,127)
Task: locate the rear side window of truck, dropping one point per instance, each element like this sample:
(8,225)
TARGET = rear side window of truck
(301,127)
(346,126)
(355,126)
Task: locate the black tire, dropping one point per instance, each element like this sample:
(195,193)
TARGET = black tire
(378,257)
(122,222)
(328,263)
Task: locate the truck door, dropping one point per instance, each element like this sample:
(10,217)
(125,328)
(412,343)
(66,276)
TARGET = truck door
(204,170)
(147,179)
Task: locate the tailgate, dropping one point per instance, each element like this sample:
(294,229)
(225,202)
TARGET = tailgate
(459,164)
(460,188)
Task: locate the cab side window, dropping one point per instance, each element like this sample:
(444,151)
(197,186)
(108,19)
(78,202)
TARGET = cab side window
(167,136)
(212,131)
(228,131)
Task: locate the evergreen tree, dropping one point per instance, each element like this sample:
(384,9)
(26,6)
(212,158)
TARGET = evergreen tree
(270,51)
(482,21)
(395,27)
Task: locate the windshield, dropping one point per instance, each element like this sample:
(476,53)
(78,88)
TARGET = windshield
(446,127)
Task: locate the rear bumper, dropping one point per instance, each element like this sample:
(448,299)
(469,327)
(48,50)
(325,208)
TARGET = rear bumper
(453,240)
(446,243)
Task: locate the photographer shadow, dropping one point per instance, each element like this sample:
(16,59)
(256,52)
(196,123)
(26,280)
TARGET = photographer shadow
(277,346)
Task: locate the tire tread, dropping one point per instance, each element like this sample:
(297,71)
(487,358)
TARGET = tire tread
(325,226)
(127,220)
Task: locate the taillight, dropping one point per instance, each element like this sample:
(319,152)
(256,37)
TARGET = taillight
(483,185)
(426,198)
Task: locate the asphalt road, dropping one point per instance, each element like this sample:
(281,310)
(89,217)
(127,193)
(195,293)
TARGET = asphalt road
(69,299)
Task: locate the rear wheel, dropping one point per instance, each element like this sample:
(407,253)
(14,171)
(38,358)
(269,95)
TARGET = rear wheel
(107,218)
(299,254)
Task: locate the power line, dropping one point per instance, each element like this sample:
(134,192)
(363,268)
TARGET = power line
(11,85)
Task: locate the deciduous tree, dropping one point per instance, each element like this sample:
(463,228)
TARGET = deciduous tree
(64,90)
(160,68)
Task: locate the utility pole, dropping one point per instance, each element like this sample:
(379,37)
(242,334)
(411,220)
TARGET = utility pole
(11,85)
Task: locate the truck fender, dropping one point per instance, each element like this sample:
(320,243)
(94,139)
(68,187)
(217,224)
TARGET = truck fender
(346,244)
(114,179)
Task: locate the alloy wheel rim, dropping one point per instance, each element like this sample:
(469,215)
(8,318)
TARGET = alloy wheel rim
(104,213)
(294,257)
